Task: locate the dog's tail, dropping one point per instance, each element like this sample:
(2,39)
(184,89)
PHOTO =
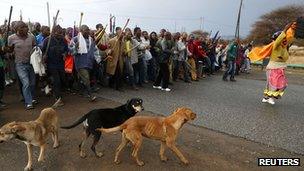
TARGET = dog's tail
(109,130)
(83,118)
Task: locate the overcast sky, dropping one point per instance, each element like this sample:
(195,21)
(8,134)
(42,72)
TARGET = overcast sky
(149,14)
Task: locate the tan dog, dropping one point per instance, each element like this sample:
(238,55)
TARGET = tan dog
(33,133)
(164,129)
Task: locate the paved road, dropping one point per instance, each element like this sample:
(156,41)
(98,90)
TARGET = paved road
(233,108)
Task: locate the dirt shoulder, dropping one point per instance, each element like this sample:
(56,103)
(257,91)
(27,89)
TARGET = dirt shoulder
(204,148)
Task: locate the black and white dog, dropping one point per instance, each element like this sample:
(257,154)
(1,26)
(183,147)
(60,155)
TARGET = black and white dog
(105,118)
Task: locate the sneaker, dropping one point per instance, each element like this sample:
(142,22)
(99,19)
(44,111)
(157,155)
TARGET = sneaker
(7,83)
(47,90)
(93,98)
(2,104)
(271,101)
(225,79)
(166,89)
(34,101)
(29,107)
(264,100)
(232,79)
(95,89)
(58,103)
(157,87)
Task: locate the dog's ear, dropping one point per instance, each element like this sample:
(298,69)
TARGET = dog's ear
(178,110)
(17,128)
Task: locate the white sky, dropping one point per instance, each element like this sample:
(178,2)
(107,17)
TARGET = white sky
(151,15)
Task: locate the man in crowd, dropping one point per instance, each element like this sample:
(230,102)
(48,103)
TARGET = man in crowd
(166,51)
(2,72)
(140,65)
(231,58)
(181,57)
(84,51)
(55,62)
(192,49)
(37,28)
(22,43)
(45,32)
(115,61)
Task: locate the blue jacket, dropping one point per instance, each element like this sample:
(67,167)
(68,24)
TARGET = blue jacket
(83,60)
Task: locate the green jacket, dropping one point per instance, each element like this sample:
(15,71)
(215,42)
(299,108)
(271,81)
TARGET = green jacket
(232,52)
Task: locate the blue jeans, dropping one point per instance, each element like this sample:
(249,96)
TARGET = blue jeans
(26,75)
(231,70)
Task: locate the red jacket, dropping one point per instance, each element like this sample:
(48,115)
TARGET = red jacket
(200,53)
(192,49)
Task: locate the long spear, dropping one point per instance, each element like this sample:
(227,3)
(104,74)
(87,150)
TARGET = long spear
(49,41)
(115,44)
(8,25)
(48,14)
(237,29)
(80,22)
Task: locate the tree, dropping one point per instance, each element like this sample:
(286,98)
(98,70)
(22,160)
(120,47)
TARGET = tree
(274,21)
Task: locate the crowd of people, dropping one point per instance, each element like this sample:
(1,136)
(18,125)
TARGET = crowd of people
(78,60)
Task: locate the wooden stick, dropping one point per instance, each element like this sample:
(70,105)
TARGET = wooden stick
(8,25)
(123,29)
(80,22)
(48,14)
(49,41)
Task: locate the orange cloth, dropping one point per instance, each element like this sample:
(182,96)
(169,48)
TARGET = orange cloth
(69,64)
(259,53)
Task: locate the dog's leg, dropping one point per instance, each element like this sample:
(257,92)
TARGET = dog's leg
(171,144)
(136,139)
(162,151)
(41,155)
(85,137)
(95,141)
(55,137)
(123,143)
(29,154)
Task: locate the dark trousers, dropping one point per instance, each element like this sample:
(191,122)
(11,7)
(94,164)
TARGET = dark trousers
(139,71)
(58,80)
(2,82)
(84,78)
(177,65)
(163,75)
(117,79)
(151,69)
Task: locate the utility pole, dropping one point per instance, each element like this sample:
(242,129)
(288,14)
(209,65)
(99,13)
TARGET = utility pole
(237,29)
(201,23)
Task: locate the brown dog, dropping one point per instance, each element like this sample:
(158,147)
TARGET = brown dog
(33,133)
(164,129)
